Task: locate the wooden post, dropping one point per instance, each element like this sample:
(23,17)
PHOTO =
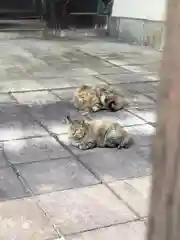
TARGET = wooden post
(164,216)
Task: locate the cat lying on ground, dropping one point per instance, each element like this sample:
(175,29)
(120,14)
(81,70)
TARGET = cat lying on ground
(88,134)
(100,97)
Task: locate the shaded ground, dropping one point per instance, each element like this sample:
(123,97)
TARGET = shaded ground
(48,189)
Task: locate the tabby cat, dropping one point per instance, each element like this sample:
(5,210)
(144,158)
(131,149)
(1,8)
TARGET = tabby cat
(88,134)
(86,99)
(93,99)
(109,98)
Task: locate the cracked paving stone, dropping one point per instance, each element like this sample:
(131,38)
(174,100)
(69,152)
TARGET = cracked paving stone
(10,186)
(113,164)
(129,231)
(56,175)
(22,219)
(135,192)
(35,149)
(35,98)
(14,124)
(84,209)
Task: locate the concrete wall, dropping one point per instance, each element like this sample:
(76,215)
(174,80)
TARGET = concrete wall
(141,9)
(139,21)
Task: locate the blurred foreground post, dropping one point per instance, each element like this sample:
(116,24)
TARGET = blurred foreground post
(164,217)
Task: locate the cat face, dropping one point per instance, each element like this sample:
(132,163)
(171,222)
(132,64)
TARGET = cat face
(78,129)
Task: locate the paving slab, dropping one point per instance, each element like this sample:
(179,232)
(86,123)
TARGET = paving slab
(6,99)
(64,94)
(3,161)
(125,118)
(10,185)
(137,69)
(16,123)
(13,71)
(56,175)
(137,99)
(83,209)
(148,114)
(53,115)
(112,70)
(129,231)
(35,98)
(123,78)
(112,165)
(153,96)
(142,134)
(135,192)
(19,85)
(22,219)
(77,71)
(69,81)
(144,87)
(38,79)
(145,152)
(32,150)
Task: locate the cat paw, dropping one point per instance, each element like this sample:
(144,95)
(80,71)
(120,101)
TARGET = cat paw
(120,146)
(91,145)
(110,144)
(126,144)
(82,147)
(96,108)
(86,146)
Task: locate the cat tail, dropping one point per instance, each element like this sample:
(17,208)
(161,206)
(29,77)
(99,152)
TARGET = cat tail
(112,106)
(115,105)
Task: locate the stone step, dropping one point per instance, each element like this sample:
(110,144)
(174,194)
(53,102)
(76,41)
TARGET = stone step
(21,25)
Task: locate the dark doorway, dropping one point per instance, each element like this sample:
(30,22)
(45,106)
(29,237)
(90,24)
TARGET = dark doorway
(16,9)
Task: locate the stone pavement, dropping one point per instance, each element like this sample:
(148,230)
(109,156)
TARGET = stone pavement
(48,189)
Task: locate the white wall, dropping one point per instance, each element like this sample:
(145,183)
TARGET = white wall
(145,9)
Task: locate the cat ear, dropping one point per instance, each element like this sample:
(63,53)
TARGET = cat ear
(68,119)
